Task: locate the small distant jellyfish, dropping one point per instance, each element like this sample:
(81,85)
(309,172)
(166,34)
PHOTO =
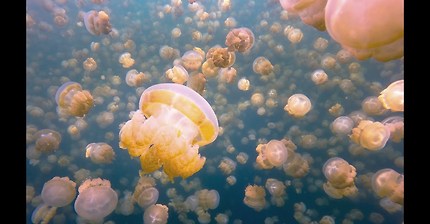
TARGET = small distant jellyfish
(298,105)
(393,96)
(231,180)
(178,74)
(227,165)
(319,77)
(243,84)
(277,190)
(295,36)
(240,39)
(342,125)
(262,66)
(255,197)
(168,53)
(320,44)
(272,154)
(208,199)
(156,214)
(372,106)
(72,100)
(221,218)
(145,194)
(221,57)
(47,140)
(96,199)
(58,192)
(192,60)
(197,82)
(227,75)
(126,60)
(242,158)
(135,78)
(176,33)
(89,64)
(100,153)
(370,135)
(172,122)
(97,22)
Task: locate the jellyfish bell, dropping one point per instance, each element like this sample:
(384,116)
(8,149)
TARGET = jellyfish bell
(58,192)
(393,96)
(97,22)
(100,153)
(240,39)
(47,140)
(156,214)
(339,172)
(342,125)
(72,100)
(389,183)
(298,105)
(310,12)
(172,123)
(377,33)
(370,135)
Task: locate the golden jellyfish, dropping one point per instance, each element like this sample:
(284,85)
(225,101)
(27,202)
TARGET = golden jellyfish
(295,35)
(192,60)
(342,125)
(172,122)
(240,39)
(390,206)
(178,74)
(97,22)
(393,96)
(372,106)
(298,105)
(242,158)
(197,82)
(272,154)
(262,66)
(257,99)
(327,220)
(43,213)
(168,53)
(243,84)
(135,78)
(126,60)
(100,153)
(231,180)
(255,197)
(370,135)
(319,77)
(47,140)
(227,165)
(390,184)
(227,75)
(221,57)
(89,64)
(328,62)
(209,69)
(176,33)
(310,12)
(58,192)
(340,178)
(208,199)
(230,22)
(320,44)
(396,126)
(96,199)
(156,214)
(72,100)
(221,218)
(146,197)
(377,33)
(277,190)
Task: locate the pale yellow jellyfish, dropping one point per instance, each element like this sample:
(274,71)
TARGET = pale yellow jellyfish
(47,140)
(342,125)
(168,53)
(319,77)
(298,105)
(277,190)
(58,192)
(192,60)
(97,22)
(242,157)
(207,199)
(221,218)
(126,60)
(393,96)
(272,154)
(156,214)
(197,82)
(240,39)
(227,75)
(227,165)
(262,66)
(72,100)
(96,199)
(311,12)
(372,106)
(172,123)
(145,193)
(176,33)
(295,35)
(135,78)
(255,197)
(43,213)
(377,33)
(100,153)
(396,126)
(231,180)
(340,178)
(370,135)
(209,69)
(389,183)
(243,84)
(221,57)
(320,44)
(178,74)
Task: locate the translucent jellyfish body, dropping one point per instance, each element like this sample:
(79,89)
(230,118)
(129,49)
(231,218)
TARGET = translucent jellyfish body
(370,135)
(393,96)
(255,197)
(100,153)
(311,12)
(72,100)
(59,192)
(390,184)
(178,74)
(240,39)
(262,66)
(340,178)
(298,105)
(377,33)
(145,194)
(97,22)
(342,125)
(192,60)
(156,214)
(274,153)
(221,57)
(96,199)
(172,123)
(47,140)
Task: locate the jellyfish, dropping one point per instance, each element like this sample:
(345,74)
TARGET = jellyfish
(372,106)
(100,153)
(227,165)
(311,12)
(298,105)
(221,57)
(393,96)
(168,53)
(72,100)
(342,125)
(294,35)
(47,140)
(178,74)
(135,78)
(126,60)
(272,154)
(370,135)
(242,157)
(209,69)
(377,33)
(221,218)
(97,22)
(43,213)
(243,84)
(227,75)
(277,190)
(172,123)
(390,184)
(319,77)
(58,192)
(340,178)
(207,199)
(197,82)
(255,197)
(192,60)
(396,126)
(156,214)
(239,39)
(96,199)
(262,66)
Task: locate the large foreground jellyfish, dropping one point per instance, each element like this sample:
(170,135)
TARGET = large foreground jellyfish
(311,12)
(172,122)
(72,100)
(372,28)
